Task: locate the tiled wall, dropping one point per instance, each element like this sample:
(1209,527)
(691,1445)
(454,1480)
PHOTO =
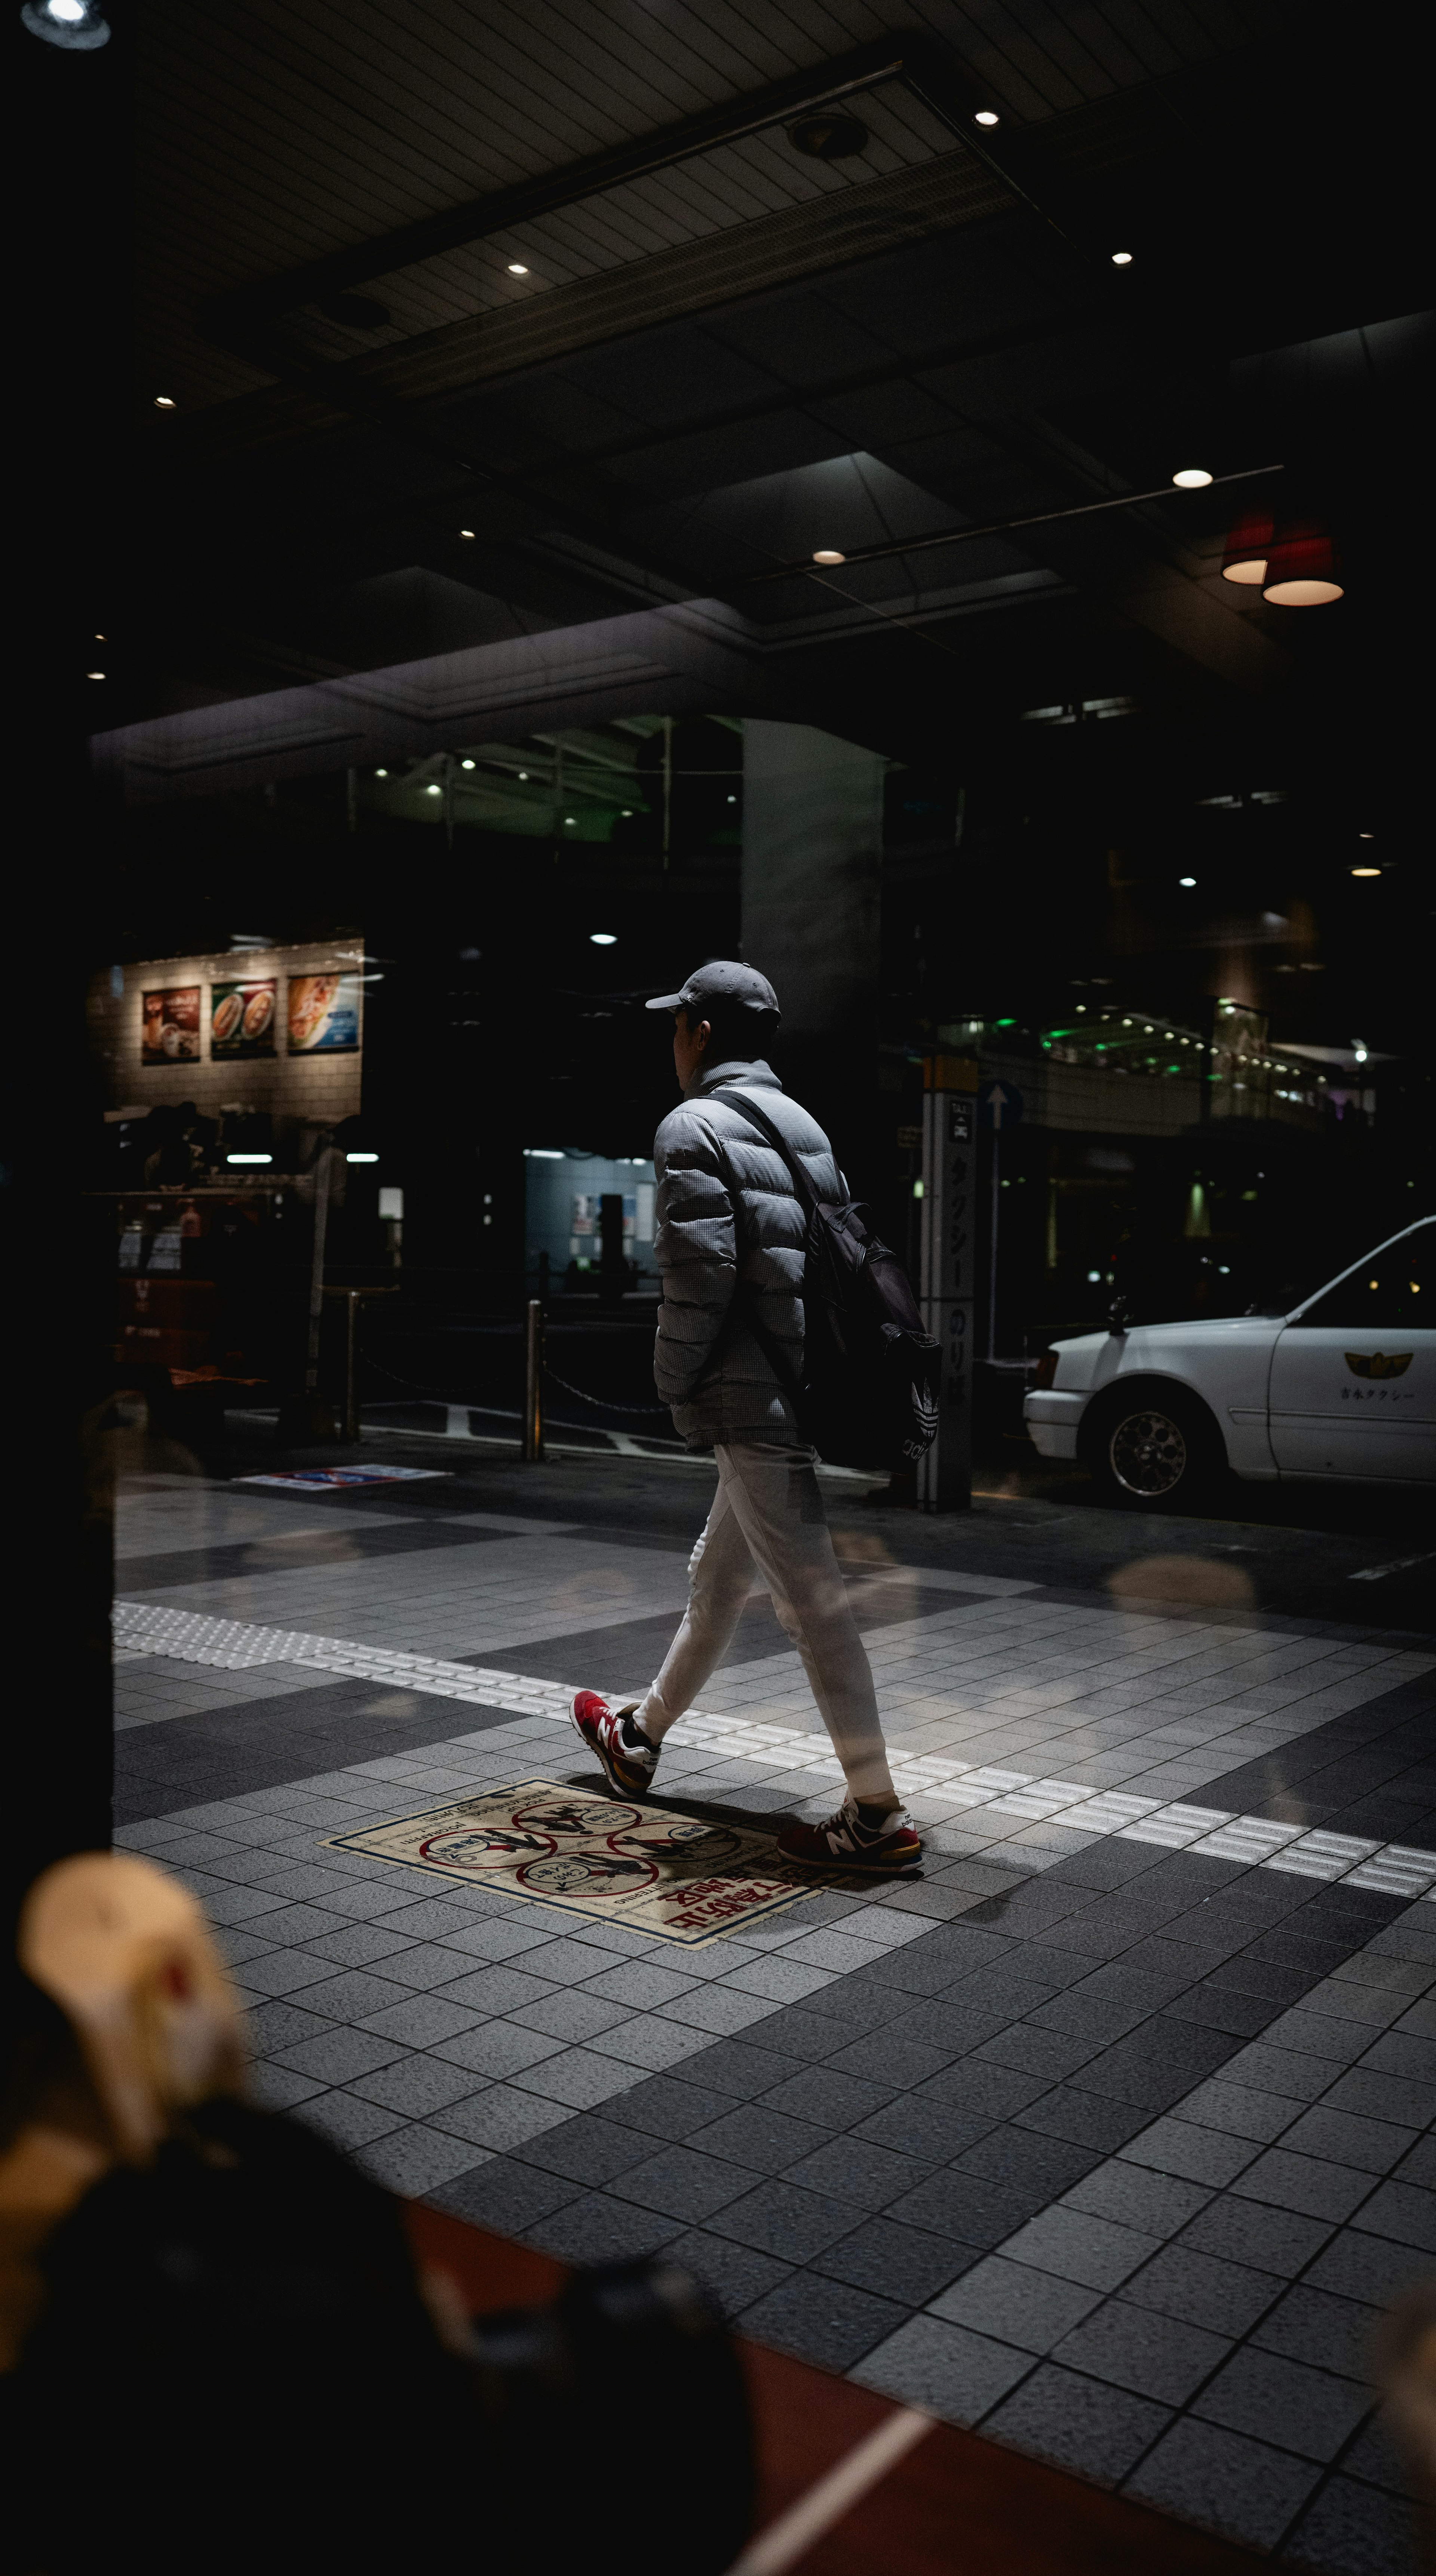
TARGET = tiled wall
(318,1088)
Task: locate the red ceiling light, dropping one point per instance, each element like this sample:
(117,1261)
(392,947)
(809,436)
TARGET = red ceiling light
(1302,569)
(1247,549)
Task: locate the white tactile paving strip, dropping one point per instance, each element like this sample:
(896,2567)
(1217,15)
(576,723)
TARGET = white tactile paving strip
(939,1789)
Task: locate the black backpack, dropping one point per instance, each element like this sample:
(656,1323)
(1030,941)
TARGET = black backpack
(868,1397)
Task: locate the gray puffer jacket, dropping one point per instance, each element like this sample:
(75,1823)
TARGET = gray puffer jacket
(728,1211)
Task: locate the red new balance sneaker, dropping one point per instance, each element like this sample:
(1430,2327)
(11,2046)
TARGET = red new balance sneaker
(846,1841)
(627,1759)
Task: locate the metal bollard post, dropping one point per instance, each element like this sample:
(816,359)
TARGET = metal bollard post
(351,1369)
(533,1386)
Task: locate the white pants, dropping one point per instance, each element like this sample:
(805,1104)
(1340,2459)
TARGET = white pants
(768,1517)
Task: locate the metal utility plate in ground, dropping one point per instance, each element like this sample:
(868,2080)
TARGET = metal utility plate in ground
(682,1877)
(323,1479)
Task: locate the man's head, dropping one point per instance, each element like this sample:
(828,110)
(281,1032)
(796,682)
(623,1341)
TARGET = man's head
(726,1013)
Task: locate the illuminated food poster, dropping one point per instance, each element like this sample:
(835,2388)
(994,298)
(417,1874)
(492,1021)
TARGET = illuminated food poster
(323,1014)
(169,1031)
(242,1019)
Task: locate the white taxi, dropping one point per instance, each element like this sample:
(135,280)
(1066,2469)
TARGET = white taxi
(1344,1386)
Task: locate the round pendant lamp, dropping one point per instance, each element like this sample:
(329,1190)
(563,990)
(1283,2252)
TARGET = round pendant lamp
(1302,569)
(1247,548)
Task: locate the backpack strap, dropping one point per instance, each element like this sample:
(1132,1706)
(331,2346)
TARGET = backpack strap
(773,1135)
(743,1299)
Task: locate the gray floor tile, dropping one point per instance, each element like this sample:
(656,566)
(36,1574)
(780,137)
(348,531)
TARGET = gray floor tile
(894,2261)
(414,2086)
(1015,2304)
(1332,2334)
(416,2160)
(683,2184)
(855,2169)
(589,2147)
(944,2368)
(1376,2461)
(1158,2204)
(664,2106)
(780,2219)
(494,2192)
(821,2094)
(1353,2530)
(1371,2145)
(498,2048)
(1082,2119)
(1227,2298)
(575,2076)
(826,2321)
(1369,2268)
(1092,2251)
(1282,2401)
(1268,2240)
(736,2275)
(419,2021)
(963,2205)
(500,2118)
(1193,2154)
(282,2088)
(337,2056)
(1308,2184)
(753,2135)
(1080,2423)
(599,2229)
(1154,2355)
(346,2121)
(1241,2487)
(1402,2211)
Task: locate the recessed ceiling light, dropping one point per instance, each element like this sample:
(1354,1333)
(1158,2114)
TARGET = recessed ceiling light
(381,773)
(1356,872)
(828,554)
(1361,836)
(1190,478)
(603,938)
(523,773)
(94,675)
(1186,881)
(99,639)
(433,790)
(987,116)
(517,268)
(570,819)
(1121,259)
(164,402)
(468,764)
(466,532)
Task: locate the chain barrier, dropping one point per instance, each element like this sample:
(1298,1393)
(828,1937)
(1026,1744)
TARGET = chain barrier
(600,1403)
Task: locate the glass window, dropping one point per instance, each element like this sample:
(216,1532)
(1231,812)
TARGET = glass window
(1392,1292)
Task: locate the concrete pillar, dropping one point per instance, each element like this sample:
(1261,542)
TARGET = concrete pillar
(812,916)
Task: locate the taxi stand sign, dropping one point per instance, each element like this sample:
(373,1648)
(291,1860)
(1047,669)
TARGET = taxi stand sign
(949,1271)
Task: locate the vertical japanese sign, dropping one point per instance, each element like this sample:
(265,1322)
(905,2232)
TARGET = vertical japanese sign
(949,1151)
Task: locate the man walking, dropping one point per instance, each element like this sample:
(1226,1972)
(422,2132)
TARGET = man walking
(730,1249)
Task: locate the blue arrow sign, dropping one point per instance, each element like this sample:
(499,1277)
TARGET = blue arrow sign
(1001,1105)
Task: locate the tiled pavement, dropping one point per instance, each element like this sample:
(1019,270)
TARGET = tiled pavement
(1113,2148)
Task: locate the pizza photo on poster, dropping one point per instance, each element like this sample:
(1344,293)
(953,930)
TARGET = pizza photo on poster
(242,1017)
(323,1014)
(169,1028)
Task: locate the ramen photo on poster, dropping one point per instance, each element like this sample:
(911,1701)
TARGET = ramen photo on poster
(242,1017)
(323,1014)
(169,1029)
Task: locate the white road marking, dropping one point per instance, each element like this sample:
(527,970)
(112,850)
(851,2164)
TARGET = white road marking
(794,2533)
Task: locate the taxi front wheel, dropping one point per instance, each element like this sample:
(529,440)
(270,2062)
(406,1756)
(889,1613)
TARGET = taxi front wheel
(1152,1449)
